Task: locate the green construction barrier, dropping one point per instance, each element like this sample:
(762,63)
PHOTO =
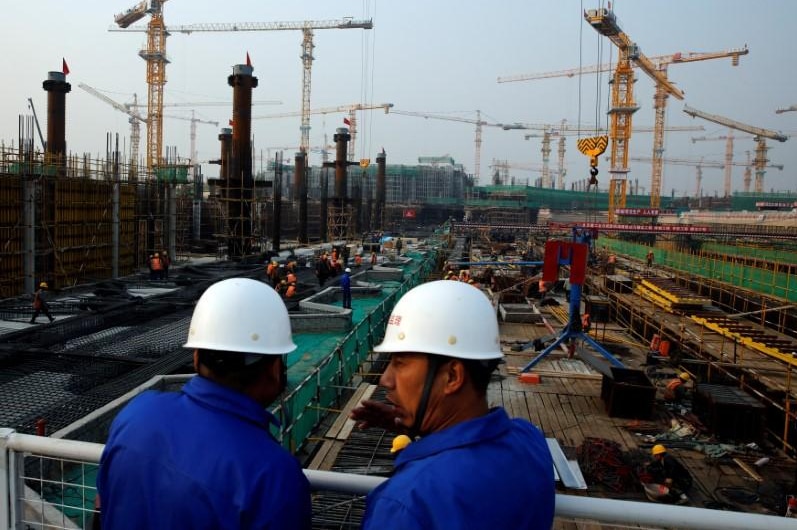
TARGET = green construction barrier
(764,281)
(325,362)
(173,175)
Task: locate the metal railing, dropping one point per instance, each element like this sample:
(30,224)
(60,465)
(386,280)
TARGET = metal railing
(43,484)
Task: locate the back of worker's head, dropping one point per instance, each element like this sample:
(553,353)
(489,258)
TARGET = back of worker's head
(450,320)
(239,324)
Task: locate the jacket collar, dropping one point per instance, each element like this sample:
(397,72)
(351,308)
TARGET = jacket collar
(216,396)
(474,431)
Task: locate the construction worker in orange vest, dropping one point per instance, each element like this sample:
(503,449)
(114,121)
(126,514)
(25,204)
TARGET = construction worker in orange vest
(291,292)
(676,389)
(585,323)
(271,271)
(156,266)
(291,277)
(611,261)
(358,260)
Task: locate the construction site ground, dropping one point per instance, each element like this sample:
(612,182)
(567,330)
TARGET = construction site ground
(566,404)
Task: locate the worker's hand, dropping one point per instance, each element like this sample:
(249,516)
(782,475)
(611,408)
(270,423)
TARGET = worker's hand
(668,482)
(379,415)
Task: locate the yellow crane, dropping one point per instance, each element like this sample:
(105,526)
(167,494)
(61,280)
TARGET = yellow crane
(478,122)
(351,109)
(623,106)
(699,165)
(155,56)
(759,133)
(565,129)
(660,62)
(307,27)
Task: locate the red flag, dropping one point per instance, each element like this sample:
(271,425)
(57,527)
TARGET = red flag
(346,121)
(64,67)
(248,60)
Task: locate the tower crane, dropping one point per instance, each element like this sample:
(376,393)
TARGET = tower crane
(351,109)
(194,120)
(699,165)
(155,56)
(660,62)
(502,167)
(478,122)
(131,109)
(759,133)
(787,109)
(565,129)
(728,156)
(623,106)
(307,27)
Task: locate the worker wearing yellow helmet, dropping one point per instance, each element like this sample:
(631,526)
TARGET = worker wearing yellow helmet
(40,304)
(676,389)
(664,469)
(443,343)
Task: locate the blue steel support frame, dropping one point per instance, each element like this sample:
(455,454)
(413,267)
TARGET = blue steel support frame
(572,331)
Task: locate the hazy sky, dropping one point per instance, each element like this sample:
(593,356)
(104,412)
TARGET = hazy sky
(441,56)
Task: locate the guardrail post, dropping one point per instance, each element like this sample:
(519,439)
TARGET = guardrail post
(7,478)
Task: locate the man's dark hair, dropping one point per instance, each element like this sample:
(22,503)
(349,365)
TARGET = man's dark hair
(479,371)
(235,366)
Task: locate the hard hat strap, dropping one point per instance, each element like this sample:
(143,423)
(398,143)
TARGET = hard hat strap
(434,362)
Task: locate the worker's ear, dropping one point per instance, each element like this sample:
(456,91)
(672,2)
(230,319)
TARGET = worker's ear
(454,375)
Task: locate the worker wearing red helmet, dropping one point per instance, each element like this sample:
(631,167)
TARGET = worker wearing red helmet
(442,338)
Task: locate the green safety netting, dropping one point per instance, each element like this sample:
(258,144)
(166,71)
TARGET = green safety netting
(324,363)
(765,281)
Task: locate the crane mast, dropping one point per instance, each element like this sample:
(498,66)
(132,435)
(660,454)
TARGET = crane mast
(623,107)
(563,130)
(729,138)
(760,134)
(135,120)
(700,164)
(156,58)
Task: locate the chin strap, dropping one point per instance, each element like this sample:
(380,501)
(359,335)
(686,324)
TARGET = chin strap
(434,362)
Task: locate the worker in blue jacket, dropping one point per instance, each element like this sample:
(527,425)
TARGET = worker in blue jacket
(469,466)
(203,457)
(345,287)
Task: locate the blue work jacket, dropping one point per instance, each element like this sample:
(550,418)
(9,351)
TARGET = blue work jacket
(345,281)
(202,458)
(486,473)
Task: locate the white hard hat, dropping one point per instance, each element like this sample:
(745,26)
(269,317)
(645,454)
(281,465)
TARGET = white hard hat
(443,318)
(241,315)
(348,269)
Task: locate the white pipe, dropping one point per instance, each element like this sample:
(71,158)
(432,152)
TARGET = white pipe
(567,506)
(342,482)
(664,515)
